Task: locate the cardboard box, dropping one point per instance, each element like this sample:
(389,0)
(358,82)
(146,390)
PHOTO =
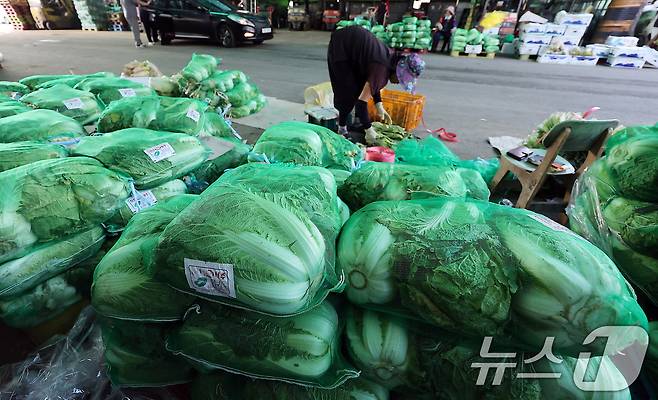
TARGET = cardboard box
(627,51)
(554,59)
(555,29)
(528,48)
(573,40)
(491,31)
(599,50)
(473,49)
(626,62)
(651,56)
(535,38)
(563,18)
(583,60)
(621,41)
(532,27)
(574,30)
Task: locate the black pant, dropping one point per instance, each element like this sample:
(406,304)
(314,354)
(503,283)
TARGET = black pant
(347,88)
(437,37)
(150,27)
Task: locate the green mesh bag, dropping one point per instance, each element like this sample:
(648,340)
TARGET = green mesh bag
(303,349)
(124,285)
(13,88)
(129,112)
(48,260)
(630,132)
(306,144)
(80,105)
(226,386)
(254,105)
(109,89)
(150,158)
(374,181)
(270,228)
(200,67)
(48,81)
(633,164)
(35,80)
(242,93)
(14,155)
(39,125)
(424,24)
(135,355)
(213,168)
(49,199)
(141,200)
(12,107)
(477,268)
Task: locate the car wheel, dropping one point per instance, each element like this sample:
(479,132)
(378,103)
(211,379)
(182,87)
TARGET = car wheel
(226,37)
(165,38)
(48,25)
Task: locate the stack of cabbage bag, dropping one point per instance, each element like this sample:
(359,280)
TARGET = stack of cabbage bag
(491,43)
(380,32)
(50,223)
(459,40)
(36,82)
(232,91)
(615,205)
(302,143)
(411,33)
(435,276)
(344,24)
(255,251)
(432,152)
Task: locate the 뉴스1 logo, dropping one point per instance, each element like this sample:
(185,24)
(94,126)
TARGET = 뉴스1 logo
(210,278)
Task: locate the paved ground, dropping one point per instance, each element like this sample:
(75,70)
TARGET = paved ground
(476,98)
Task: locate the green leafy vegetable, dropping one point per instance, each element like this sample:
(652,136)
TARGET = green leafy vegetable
(634,166)
(80,105)
(302,349)
(9,88)
(12,107)
(110,89)
(39,125)
(14,155)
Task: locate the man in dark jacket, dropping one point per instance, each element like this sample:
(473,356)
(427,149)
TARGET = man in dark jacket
(360,65)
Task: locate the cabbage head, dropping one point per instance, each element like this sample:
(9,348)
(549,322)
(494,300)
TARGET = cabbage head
(633,165)
(80,105)
(40,126)
(14,155)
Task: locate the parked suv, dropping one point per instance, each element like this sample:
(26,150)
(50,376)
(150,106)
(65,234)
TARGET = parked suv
(213,19)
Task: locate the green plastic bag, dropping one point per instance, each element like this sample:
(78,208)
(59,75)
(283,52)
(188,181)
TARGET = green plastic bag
(409,36)
(129,112)
(517,257)
(69,80)
(12,107)
(47,300)
(629,132)
(150,158)
(374,181)
(135,355)
(410,20)
(306,144)
(242,93)
(271,228)
(633,164)
(424,41)
(13,88)
(424,23)
(491,49)
(35,80)
(141,200)
(48,260)
(15,154)
(80,105)
(213,168)
(225,386)
(124,285)
(200,67)
(109,89)
(460,32)
(474,37)
(180,115)
(39,125)
(303,349)
(49,199)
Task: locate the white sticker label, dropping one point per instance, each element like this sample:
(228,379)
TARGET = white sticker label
(144,200)
(73,104)
(160,152)
(127,92)
(552,224)
(193,114)
(210,278)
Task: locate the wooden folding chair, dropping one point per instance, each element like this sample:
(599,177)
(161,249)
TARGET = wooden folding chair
(577,135)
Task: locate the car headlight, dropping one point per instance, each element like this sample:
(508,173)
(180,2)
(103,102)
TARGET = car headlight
(240,20)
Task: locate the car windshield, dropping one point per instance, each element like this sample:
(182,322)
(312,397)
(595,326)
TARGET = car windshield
(216,5)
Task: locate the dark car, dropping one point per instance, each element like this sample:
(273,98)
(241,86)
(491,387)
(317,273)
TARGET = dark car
(213,19)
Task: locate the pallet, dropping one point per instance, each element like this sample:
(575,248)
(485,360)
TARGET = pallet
(408,51)
(490,56)
(527,57)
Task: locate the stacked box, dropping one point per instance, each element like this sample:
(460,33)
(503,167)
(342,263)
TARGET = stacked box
(16,14)
(93,14)
(567,29)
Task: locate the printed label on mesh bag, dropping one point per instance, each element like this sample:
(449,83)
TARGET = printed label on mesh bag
(127,92)
(144,200)
(193,114)
(160,152)
(73,104)
(210,278)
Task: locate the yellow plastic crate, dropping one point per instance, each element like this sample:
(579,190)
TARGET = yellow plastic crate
(405,109)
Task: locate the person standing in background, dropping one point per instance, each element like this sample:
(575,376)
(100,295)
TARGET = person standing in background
(147,16)
(443,29)
(130,12)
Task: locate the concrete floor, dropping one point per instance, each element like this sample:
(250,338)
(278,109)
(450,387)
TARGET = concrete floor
(475,98)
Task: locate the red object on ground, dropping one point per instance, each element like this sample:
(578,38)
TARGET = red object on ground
(380,154)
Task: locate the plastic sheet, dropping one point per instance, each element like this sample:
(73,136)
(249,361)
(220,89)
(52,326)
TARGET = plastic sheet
(70,367)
